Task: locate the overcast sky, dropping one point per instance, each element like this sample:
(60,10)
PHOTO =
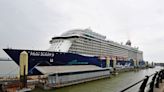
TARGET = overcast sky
(30,24)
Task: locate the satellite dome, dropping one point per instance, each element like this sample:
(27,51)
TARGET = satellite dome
(128,43)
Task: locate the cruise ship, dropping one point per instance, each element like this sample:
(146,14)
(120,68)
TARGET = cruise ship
(79,47)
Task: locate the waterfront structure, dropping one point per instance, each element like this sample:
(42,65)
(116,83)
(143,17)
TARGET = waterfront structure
(80,47)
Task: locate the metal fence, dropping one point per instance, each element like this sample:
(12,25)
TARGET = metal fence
(154,82)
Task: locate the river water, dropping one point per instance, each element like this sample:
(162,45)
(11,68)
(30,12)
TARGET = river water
(8,68)
(113,84)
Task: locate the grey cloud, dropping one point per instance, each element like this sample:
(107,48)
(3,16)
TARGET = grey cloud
(31,23)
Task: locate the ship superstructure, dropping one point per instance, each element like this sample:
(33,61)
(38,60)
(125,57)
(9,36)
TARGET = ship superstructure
(86,42)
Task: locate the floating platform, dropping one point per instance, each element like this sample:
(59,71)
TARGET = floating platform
(59,76)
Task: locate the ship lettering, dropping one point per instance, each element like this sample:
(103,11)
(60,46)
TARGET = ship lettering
(34,54)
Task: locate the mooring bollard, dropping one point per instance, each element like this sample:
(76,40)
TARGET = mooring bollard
(143,85)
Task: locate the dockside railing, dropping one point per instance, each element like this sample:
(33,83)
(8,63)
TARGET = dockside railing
(154,82)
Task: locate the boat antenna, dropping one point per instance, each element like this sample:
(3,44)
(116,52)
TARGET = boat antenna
(128,36)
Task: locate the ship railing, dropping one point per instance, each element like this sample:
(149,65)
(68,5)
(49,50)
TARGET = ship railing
(148,83)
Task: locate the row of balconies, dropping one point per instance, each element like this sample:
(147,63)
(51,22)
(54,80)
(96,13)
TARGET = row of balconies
(87,47)
(97,52)
(93,47)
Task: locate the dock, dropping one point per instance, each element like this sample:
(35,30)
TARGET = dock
(161,87)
